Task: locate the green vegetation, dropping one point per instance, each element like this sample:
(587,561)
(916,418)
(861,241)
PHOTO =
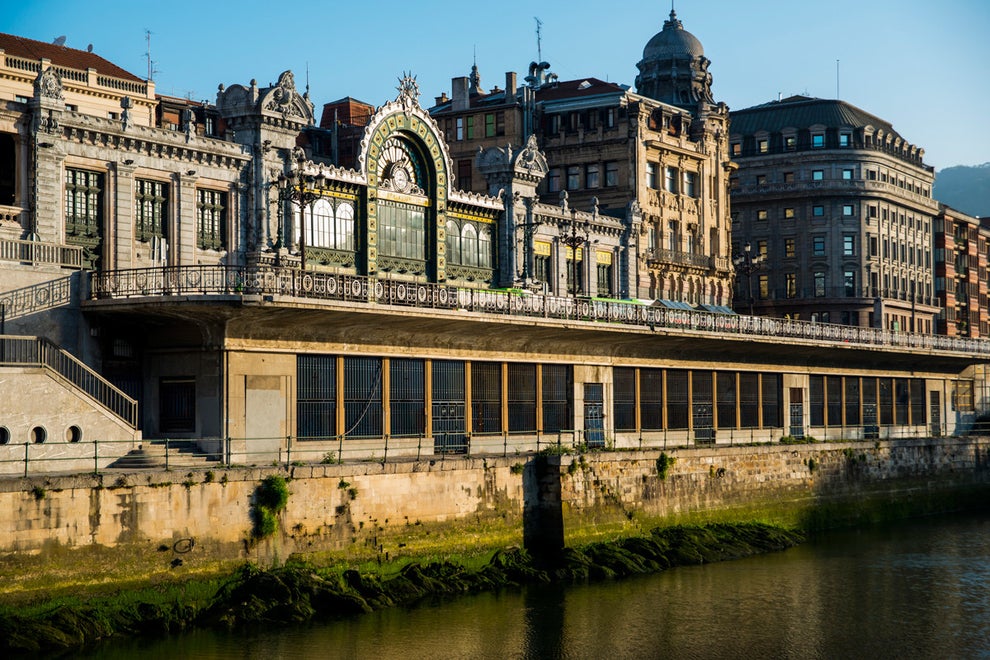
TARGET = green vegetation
(664,463)
(270,499)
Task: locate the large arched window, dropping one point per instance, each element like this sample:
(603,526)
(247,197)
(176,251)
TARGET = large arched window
(344,239)
(453,242)
(319,229)
(469,245)
(485,247)
(330,224)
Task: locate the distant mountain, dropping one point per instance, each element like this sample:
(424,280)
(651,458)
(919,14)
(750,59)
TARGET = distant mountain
(964,188)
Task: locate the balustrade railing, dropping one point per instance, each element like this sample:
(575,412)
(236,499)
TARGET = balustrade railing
(271,281)
(41,352)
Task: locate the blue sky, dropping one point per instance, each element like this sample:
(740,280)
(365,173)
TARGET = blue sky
(920,65)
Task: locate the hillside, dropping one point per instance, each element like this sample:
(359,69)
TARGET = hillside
(965,188)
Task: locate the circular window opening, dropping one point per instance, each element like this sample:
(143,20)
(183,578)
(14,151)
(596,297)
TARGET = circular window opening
(73,434)
(38,435)
(4,435)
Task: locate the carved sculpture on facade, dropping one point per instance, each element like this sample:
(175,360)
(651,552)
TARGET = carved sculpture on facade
(48,85)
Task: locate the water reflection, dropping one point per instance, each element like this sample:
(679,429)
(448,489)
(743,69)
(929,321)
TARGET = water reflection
(911,591)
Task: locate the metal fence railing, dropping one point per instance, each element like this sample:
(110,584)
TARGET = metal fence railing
(268,282)
(41,352)
(112,457)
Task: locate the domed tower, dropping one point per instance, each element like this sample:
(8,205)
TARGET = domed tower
(674,68)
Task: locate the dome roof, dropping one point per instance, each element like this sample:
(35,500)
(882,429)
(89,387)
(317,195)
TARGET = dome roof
(673,42)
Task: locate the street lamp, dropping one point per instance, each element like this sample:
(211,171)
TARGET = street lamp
(747,264)
(578,236)
(303,189)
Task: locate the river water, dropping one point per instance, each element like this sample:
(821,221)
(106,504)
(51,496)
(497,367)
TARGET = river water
(911,590)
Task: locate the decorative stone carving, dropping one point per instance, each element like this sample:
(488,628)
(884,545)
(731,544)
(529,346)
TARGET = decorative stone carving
(48,85)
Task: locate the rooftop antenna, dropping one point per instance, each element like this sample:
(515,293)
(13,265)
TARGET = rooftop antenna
(837,79)
(151,64)
(307,79)
(539,47)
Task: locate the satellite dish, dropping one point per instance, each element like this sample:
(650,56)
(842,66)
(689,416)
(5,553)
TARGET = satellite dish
(89,48)
(59,41)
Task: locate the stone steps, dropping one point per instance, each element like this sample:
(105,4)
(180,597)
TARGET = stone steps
(151,455)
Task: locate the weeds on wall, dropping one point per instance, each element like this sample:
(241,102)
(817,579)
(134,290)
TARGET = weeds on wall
(270,498)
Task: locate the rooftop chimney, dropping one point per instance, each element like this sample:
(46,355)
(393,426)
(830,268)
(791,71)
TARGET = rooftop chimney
(459,93)
(510,85)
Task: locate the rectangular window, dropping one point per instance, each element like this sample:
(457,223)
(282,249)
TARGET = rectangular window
(725,396)
(177,405)
(558,396)
(624,398)
(84,212)
(362,397)
(677,399)
(500,123)
(789,248)
(211,219)
(761,179)
(604,280)
(486,397)
(761,248)
(789,213)
(460,128)
(818,211)
(848,210)
(690,179)
(522,398)
(490,124)
(817,140)
(847,174)
(591,176)
(849,245)
(407,396)
(611,174)
(402,230)
(764,282)
(845,139)
(852,401)
(651,399)
(464,174)
(573,177)
(749,400)
(763,146)
(316,396)
(790,282)
(790,142)
(818,175)
(610,118)
(818,246)
(670,179)
(736,149)
(554,124)
(470,127)
(770,388)
(833,400)
(788,177)
(553,179)
(849,282)
(819,284)
(761,214)
(651,176)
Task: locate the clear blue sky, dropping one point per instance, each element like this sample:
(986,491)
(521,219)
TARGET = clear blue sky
(923,66)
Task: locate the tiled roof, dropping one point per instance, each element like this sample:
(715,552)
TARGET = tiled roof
(62,56)
(802,112)
(566,89)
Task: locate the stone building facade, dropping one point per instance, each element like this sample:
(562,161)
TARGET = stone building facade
(837,210)
(235,275)
(961,243)
(655,160)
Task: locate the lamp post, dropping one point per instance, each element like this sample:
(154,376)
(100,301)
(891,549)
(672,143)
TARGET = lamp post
(303,189)
(747,264)
(577,237)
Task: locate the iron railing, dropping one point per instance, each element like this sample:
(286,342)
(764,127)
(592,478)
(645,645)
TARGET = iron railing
(268,282)
(43,353)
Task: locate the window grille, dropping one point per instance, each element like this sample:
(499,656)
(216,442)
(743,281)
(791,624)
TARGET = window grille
(407,397)
(651,399)
(726,399)
(362,396)
(624,398)
(316,396)
(852,400)
(522,398)
(486,397)
(749,400)
(677,399)
(771,386)
(558,397)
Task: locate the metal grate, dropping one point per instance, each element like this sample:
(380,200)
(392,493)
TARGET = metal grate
(316,396)
(725,382)
(816,400)
(677,399)
(522,398)
(624,398)
(486,397)
(772,385)
(362,397)
(651,399)
(749,400)
(558,397)
(407,396)
(918,402)
(852,400)
(449,425)
(886,401)
(702,406)
(833,400)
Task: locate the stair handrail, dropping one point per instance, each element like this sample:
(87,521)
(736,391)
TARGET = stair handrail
(43,352)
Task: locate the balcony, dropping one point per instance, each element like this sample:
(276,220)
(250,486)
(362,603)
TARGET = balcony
(276,286)
(37,252)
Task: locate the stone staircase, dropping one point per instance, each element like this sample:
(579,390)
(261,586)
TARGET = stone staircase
(151,455)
